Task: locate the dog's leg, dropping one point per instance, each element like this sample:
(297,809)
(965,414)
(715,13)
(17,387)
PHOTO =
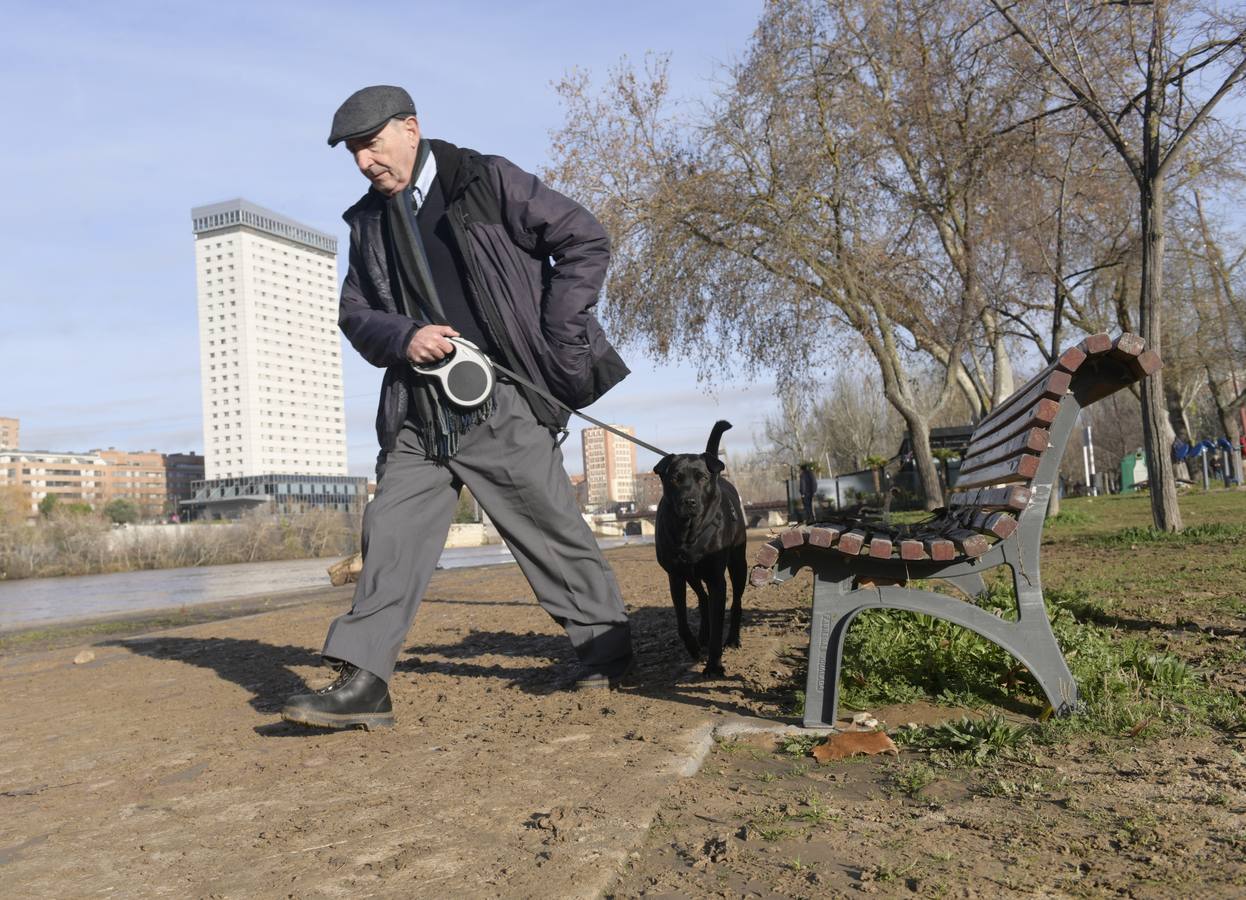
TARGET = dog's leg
(716,586)
(737,565)
(679,596)
(703,613)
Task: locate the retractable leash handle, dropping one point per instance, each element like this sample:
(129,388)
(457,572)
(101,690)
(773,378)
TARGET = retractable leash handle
(465,374)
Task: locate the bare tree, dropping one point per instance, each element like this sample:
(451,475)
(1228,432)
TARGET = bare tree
(1117,62)
(799,217)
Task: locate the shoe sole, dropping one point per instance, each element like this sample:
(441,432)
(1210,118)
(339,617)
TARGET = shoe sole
(367,721)
(623,679)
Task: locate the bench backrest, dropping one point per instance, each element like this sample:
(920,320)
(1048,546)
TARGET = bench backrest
(1018,444)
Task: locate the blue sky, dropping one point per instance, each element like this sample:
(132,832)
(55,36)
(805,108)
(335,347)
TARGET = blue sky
(123,116)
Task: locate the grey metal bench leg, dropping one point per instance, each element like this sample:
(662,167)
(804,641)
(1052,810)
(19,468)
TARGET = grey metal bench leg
(972,584)
(827,629)
(836,604)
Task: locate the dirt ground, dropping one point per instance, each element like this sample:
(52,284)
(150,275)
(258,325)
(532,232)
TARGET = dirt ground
(160,768)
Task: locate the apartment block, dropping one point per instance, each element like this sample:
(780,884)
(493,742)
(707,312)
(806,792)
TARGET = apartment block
(269,350)
(10,433)
(136,476)
(71,477)
(609,465)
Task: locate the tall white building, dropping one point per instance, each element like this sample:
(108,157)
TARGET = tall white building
(269,354)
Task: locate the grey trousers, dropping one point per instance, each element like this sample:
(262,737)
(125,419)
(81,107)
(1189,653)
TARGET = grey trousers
(511,466)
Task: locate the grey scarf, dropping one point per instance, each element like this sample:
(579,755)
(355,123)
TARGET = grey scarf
(439,422)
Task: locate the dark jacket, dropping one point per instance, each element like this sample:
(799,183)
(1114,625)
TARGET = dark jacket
(808,483)
(508,226)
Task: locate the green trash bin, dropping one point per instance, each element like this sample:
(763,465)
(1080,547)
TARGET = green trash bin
(1133,471)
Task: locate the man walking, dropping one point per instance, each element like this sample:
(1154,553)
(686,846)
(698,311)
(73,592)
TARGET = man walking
(808,487)
(447,243)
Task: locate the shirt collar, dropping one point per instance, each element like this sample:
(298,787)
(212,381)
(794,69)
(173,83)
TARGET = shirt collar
(423,182)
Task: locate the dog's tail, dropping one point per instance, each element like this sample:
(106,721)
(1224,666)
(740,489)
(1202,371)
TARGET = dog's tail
(711,446)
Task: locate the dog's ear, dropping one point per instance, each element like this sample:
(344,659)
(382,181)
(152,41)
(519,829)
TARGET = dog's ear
(663,464)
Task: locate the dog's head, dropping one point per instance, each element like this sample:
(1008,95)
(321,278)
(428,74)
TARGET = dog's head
(690,480)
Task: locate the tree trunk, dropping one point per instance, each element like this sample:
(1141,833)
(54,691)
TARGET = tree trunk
(1156,430)
(927,473)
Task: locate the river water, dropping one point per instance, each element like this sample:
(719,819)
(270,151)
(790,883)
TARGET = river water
(41,601)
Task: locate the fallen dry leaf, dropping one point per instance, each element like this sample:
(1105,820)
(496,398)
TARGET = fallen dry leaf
(85,656)
(846,744)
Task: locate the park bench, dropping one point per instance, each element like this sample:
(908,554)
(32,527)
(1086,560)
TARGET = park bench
(994,517)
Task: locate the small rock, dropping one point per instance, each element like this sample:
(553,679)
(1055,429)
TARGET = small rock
(85,656)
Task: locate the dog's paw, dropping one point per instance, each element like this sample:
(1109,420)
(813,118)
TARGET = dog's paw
(714,670)
(733,640)
(694,647)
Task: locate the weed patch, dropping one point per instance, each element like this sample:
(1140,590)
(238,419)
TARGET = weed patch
(971,740)
(1207,533)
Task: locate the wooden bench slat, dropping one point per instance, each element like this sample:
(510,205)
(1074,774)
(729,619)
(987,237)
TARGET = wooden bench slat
(940,549)
(824,535)
(1053,387)
(793,537)
(1127,346)
(1000,524)
(1040,415)
(1033,440)
(767,554)
(1016,497)
(1018,468)
(1070,360)
(1096,344)
(1146,363)
(911,549)
(851,542)
(880,546)
(969,543)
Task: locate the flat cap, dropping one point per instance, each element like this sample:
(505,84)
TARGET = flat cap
(366,110)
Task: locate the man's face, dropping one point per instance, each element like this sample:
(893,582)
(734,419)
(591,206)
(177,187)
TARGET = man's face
(387,157)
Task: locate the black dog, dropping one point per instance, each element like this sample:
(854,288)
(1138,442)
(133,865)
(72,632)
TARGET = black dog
(700,536)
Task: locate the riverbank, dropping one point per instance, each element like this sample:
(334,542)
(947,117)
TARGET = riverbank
(78,600)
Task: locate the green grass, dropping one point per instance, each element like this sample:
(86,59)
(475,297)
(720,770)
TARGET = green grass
(1207,533)
(1112,614)
(912,779)
(970,740)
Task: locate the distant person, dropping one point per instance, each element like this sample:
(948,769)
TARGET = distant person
(808,487)
(484,231)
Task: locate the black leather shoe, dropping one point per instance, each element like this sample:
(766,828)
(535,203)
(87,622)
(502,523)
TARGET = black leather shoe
(356,698)
(613,679)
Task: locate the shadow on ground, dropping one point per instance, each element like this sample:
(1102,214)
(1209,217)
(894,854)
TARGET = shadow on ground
(663,668)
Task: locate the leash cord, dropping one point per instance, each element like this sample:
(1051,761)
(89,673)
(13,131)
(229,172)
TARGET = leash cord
(575,412)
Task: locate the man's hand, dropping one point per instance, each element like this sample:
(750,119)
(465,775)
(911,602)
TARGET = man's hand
(429,344)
